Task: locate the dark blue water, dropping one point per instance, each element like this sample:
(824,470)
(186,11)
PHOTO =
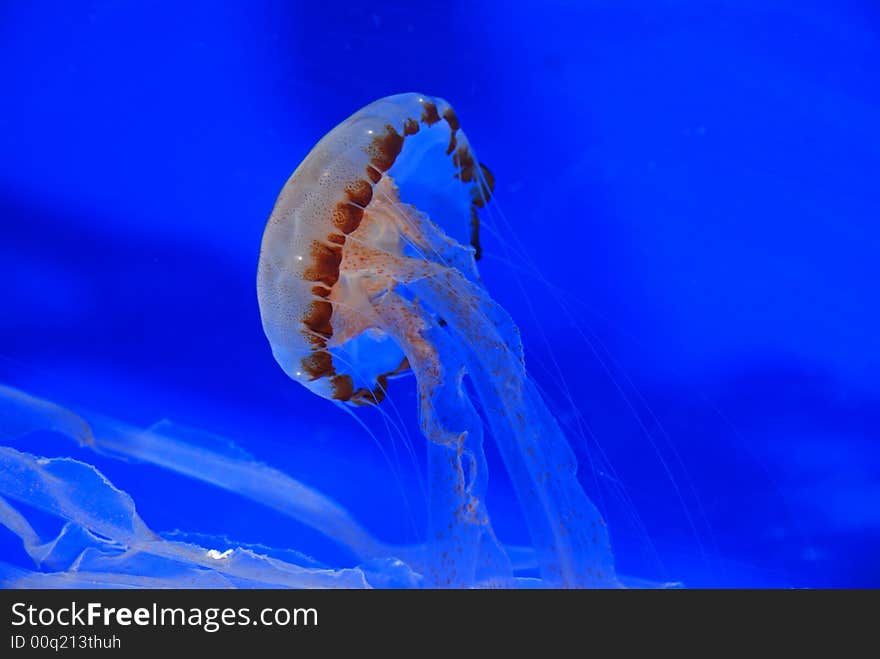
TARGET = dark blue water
(700,181)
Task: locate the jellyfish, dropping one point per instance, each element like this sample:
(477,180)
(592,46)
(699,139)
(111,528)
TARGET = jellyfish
(368,272)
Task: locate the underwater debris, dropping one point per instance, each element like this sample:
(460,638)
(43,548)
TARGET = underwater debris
(105,542)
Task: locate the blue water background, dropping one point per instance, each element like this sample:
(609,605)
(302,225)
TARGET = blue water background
(701,177)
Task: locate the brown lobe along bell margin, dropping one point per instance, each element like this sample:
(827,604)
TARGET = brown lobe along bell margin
(452,120)
(373,174)
(317,319)
(453,141)
(359,192)
(318,364)
(325,260)
(464,161)
(342,387)
(385,148)
(410,127)
(347,216)
(429,114)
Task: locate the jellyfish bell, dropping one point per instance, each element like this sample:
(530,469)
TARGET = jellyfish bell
(368,270)
(338,230)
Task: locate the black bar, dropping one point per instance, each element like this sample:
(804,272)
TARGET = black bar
(127,622)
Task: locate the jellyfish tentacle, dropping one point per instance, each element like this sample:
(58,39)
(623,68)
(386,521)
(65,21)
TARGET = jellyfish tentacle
(567,529)
(463,549)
